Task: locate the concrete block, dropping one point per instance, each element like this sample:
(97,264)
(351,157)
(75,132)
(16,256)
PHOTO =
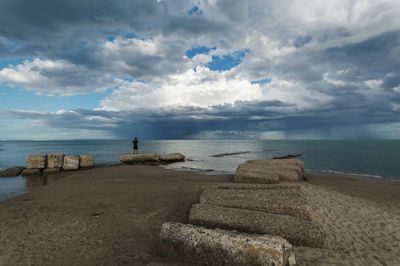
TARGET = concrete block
(296,231)
(199,245)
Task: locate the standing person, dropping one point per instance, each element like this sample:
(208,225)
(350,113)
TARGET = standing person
(135,146)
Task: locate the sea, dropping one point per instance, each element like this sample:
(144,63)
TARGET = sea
(377,158)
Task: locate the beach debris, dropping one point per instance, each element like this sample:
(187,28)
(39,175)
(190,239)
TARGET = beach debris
(27,172)
(12,171)
(269,171)
(142,158)
(86,161)
(71,163)
(278,201)
(296,231)
(220,247)
(55,160)
(36,161)
(172,158)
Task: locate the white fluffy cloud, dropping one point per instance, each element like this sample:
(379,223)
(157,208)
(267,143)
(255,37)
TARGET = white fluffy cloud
(198,87)
(54,77)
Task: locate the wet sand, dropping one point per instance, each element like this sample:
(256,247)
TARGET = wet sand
(112,216)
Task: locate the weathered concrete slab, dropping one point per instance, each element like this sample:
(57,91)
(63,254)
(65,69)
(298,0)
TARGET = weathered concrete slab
(86,161)
(279,201)
(172,158)
(140,158)
(12,171)
(55,160)
(269,171)
(27,172)
(250,172)
(296,162)
(296,231)
(203,246)
(71,163)
(36,161)
(248,186)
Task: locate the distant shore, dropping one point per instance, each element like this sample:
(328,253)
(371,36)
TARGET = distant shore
(113,215)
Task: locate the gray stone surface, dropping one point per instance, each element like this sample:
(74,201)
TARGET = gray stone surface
(55,160)
(296,231)
(172,157)
(283,186)
(71,163)
(296,162)
(12,171)
(36,161)
(279,201)
(86,161)
(27,172)
(198,245)
(140,158)
(269,171)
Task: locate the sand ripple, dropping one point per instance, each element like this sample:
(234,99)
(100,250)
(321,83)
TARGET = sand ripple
(358,231)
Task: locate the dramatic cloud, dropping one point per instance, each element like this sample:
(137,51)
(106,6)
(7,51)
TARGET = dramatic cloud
(181,69)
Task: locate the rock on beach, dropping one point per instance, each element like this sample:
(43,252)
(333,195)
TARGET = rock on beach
(55,160)
(219,247)
(172,157)
(27,172)
(297,231)
(140,158)
(269,171)
(36,161)
(12,171)
(86,161)
(279,201)
(71,163)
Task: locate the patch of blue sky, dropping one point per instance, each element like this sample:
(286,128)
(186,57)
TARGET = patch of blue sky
(131,80)
(227,62)
(12,61)
(126,35)
(110,38)
(15,99)
(262,81)
(130,35)
(198,50)
(195,10)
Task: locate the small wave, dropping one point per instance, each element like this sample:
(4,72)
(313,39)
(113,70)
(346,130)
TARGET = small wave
(206,171)
(230,154)
(348,173)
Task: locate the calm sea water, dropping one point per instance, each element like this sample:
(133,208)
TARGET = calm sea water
(370,157)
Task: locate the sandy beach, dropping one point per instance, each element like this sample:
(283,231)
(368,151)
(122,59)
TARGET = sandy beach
(113,215)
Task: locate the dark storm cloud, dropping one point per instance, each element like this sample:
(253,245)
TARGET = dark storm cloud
(54,27)
(184,122)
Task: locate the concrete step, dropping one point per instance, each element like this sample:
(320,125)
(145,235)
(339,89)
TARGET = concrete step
(279,201)
(297,231)
(199,245)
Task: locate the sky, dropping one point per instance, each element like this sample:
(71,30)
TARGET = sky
(204,69)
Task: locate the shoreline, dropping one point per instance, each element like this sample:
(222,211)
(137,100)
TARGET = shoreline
(208,172)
